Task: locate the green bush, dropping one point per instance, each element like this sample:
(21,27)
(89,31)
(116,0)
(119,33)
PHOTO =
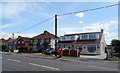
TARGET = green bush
(25,49)
(3,47)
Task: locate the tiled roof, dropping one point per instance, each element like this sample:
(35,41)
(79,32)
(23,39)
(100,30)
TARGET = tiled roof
(5,41)
(45,35)
(23,38)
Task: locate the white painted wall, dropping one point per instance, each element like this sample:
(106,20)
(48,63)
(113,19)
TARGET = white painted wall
(102,44)
(52,43)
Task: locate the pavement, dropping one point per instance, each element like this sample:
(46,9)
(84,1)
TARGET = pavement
(100,57)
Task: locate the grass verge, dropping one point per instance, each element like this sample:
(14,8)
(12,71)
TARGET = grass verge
(112,59)
(19,53)
(65,57)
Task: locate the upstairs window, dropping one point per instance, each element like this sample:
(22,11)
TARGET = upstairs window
(89,36)
(72,38)
(18,42)
(63,38)
(85,36)
(22,42)
(92,36)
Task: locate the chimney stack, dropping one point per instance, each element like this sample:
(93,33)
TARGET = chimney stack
(102,30)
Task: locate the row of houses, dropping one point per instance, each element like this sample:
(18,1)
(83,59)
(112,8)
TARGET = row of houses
(88,43)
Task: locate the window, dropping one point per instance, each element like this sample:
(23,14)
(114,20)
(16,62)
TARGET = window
(91,48)
(89,36)
(18,42)
(64,46)
(63,38)
(31,41)
(85,36)
(93,36)
(72,38)
(15,42)
(39,40)
(22,42)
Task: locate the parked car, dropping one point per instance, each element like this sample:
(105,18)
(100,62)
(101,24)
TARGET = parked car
(50,51)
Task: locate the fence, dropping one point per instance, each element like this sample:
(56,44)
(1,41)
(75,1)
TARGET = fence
(70,52)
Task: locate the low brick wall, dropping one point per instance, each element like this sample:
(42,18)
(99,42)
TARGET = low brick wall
(70,52)
(66,52)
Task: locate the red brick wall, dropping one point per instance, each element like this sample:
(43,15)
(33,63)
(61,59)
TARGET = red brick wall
(70,52)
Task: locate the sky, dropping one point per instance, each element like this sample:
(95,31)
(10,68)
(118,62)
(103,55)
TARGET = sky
(17,16)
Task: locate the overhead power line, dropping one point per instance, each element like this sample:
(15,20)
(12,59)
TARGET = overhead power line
(36,24)
(69,14)
(89,10)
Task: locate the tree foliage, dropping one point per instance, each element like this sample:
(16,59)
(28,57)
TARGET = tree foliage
(3,47)
(116,44)
(25,49)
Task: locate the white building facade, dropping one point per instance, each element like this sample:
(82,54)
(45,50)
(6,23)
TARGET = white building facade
(87,43)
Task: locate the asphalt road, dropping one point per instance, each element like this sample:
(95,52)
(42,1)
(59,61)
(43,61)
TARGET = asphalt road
(16,62)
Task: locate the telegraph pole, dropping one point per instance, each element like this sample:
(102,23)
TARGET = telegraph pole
(13,41)
(55,35)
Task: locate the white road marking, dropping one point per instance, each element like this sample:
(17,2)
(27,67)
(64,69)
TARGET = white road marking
(14,60)
(10,59)
(44,66)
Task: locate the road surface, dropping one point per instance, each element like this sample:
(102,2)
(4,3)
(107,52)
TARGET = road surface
(17,62)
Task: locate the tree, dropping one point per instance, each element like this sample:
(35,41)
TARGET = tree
(2,39)
(3,47)
(116,44)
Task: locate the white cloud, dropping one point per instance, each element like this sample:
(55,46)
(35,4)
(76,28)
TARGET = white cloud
(80,22)
(7,35)
(113,22)
(97,26)
(80,14)
(6,25)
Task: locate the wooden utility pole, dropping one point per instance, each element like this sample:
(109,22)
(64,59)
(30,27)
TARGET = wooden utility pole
(13,41)
(55,35)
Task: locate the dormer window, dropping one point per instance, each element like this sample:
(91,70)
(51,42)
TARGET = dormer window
(72,38)
(63,38)
(84,36)
(89,36)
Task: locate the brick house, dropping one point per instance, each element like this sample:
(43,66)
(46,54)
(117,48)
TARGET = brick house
(44,41)
(19,42)
(89,43)
(23,41)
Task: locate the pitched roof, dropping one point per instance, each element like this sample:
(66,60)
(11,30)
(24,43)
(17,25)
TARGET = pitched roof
(5,41)
(45,35)
(23,38)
